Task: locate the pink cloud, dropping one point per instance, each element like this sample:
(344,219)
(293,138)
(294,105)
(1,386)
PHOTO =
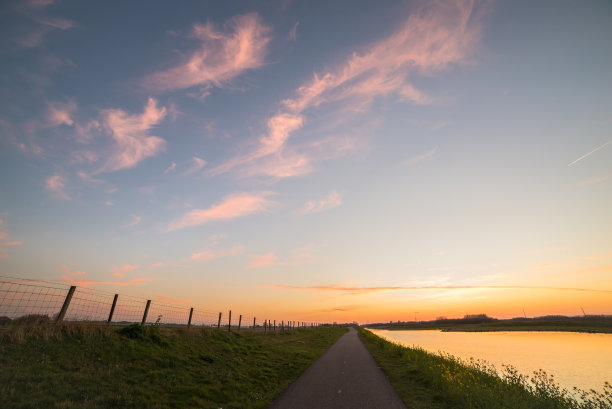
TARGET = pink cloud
(208,255)
(265,260)
(131,134)
(238,205)
(419,158)
(592,181)
(293,31)
(223,55)
(136,220)
(84,134)
(119,272)
(34,35)
(56,184)
(280,128)
(170,168)
(84,156)
(60,113)
(80,279)
(367,290)
(6,242)
(331,201)
(428,42)
(197,166)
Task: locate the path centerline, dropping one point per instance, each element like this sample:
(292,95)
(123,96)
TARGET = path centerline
(345,376)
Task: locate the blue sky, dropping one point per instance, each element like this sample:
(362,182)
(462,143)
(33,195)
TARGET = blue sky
(329,160)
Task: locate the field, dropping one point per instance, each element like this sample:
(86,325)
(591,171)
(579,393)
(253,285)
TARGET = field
(426,380)
(87,366)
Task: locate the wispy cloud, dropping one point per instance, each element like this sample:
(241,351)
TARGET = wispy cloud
(208,255)
(430,41)
(41,22)
(315,206)
(60,113)
(419,158)
(595,180)
(222,56)
(265,260)
(586,155)
(5,242)
(365,290)
(85,133)
(131,134)
(56,184)
(170,168)
(343,308)
(136,220)
(293,31)
(299,256)
(119,272)
(83,156)
(198,165)
(80,279)
(234,206)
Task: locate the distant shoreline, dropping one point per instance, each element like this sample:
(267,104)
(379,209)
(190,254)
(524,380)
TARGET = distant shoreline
(588,324)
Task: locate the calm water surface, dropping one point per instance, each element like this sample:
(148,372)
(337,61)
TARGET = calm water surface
(575,359)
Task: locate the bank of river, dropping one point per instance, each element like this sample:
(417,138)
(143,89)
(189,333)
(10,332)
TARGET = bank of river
(575,359)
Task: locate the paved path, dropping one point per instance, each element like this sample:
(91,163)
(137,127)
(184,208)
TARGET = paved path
(345,376)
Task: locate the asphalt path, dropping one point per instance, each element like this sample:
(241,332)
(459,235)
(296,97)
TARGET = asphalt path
(345,376)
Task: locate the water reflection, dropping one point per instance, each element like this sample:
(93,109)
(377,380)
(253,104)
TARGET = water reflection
(575,359)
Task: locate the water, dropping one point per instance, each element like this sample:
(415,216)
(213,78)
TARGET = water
(575,359)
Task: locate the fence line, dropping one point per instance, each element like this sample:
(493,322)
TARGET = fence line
(38,300)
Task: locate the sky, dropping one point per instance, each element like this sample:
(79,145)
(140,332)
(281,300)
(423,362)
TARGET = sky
(314,160)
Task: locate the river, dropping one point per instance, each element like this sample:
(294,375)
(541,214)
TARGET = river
(575,359)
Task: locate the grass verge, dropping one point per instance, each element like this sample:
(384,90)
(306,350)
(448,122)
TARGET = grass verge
(426,380)
(85,366)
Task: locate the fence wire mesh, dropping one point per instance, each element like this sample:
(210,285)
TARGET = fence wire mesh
(24,299)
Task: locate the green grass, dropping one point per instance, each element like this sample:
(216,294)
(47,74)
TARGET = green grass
(86,366)
(426,380)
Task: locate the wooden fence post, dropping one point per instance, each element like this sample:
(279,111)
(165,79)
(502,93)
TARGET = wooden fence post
(253,322)
(219,322)
(283,326)
(190,315)
(239,322)
(229,323)
(146,311)
(62,313)
(265,325)
(274,325)
(112,311)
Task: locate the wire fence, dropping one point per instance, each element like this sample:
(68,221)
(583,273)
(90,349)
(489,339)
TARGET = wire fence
(24,300)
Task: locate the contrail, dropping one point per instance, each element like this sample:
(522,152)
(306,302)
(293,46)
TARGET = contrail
(590,153)
(437,287)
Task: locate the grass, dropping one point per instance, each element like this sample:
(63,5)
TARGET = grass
(89,366)
(426,380)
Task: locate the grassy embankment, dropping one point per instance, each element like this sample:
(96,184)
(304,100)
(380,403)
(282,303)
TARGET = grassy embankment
(426,380)
(593,324)
(86,366)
